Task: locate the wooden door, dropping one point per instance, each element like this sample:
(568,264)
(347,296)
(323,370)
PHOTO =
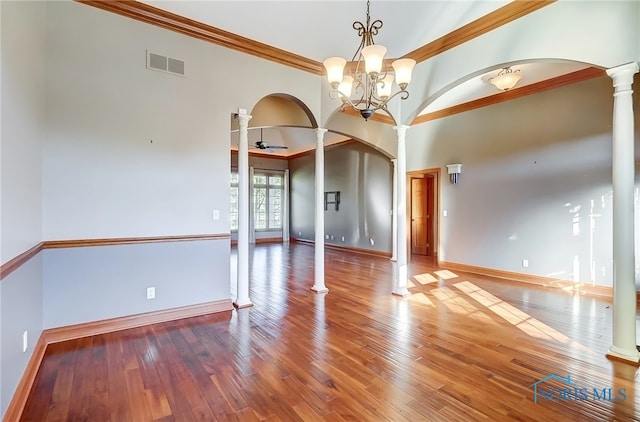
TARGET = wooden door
(419,219)
(429,213)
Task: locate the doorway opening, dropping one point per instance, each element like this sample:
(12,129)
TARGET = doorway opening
(423,204)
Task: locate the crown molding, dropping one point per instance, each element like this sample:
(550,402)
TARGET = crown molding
(158,17)
(502,16)
(173,22)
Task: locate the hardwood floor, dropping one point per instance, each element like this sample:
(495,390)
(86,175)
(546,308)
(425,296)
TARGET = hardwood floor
(460,347)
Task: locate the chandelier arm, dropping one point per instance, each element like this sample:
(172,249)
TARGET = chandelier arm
(374,28)
(362,89)
(403,96)
(358,52)
(344,98)
(359,26)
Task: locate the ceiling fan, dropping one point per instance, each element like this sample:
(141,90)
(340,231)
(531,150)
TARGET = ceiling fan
(264,145)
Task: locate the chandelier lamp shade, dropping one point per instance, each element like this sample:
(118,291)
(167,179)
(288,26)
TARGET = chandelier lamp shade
(506,79)
(364,83)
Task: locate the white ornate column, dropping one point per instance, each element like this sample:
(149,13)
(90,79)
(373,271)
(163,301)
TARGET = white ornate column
(242,299)
(401,214)
(394,208)
(624,287)
(285,208)
(252,212)
(318,285)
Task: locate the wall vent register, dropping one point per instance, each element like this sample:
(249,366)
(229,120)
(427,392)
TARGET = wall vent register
(165,64)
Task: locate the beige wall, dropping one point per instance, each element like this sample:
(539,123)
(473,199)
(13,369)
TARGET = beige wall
(535,182)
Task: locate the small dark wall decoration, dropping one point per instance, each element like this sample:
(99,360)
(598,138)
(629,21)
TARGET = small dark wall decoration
(332,198)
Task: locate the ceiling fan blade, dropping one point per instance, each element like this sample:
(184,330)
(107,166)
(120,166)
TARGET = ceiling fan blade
(264,145)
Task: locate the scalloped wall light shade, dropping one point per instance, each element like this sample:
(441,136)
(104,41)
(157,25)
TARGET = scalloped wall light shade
(506,79)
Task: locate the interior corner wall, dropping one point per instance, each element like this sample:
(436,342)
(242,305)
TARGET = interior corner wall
(21,312)
(364,178)
(535,182)
(23,46)
(22,98)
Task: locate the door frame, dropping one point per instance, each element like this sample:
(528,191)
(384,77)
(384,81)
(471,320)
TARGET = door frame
(436,173)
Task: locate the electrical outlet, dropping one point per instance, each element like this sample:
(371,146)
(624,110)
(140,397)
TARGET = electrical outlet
(343,238)
(525,263)
(151,293)
(216,214)
(371,241)
(444,213)
(25,341)
(326,236)
(331,237)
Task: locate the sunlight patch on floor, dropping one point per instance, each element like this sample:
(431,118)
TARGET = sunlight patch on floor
(453,301)
(445,274)
(425,278)
(519,319)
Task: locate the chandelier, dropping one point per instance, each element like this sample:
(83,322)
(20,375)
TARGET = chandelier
(366,87)
(506,79)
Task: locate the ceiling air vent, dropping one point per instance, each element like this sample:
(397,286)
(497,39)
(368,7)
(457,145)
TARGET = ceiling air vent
(165,64)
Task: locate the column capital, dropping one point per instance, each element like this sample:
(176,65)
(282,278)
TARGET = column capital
(243,116)
(401,128)
(623,75)
(402,132)
(319,136)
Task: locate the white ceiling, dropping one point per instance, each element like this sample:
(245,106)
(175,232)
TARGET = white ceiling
(321,29)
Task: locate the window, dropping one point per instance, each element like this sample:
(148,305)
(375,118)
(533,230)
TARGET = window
(267,200)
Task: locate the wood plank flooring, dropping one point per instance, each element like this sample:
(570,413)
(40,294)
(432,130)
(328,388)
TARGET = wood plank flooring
(460,348)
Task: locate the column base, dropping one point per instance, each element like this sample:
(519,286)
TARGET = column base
(401,292)
(319,289)
(627,356)
(241,305)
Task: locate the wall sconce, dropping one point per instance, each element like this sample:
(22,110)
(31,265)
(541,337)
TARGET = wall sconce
(454,171)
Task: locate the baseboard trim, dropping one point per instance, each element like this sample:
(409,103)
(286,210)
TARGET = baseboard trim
(567,285)
(72,332)
(19,399)
(362,251)
(262,240)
